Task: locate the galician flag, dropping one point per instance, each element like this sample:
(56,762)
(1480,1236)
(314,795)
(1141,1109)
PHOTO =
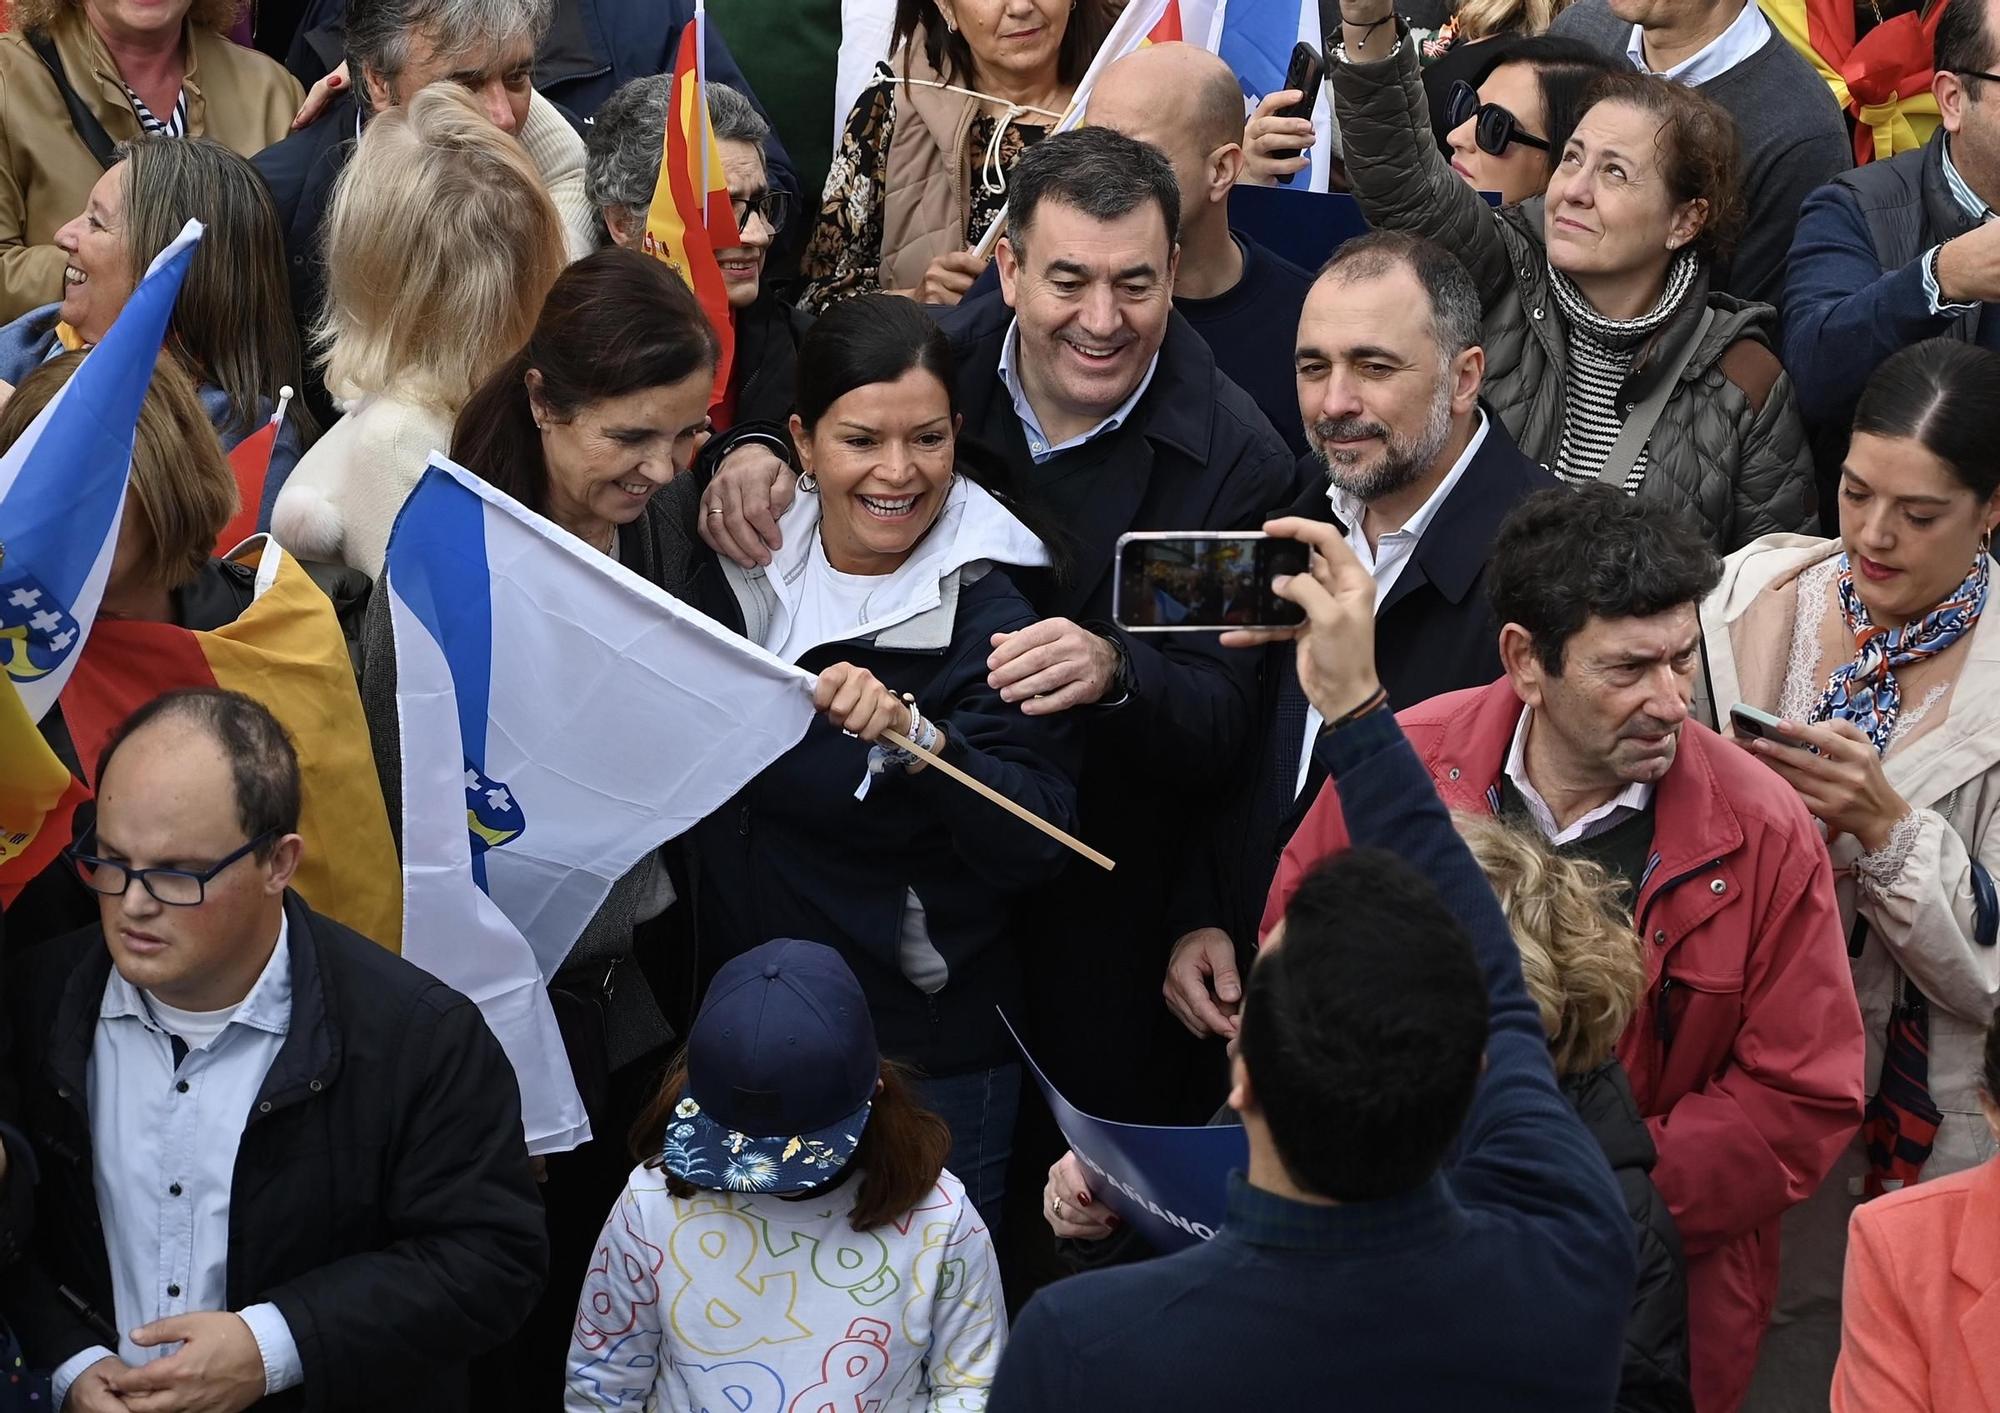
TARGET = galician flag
(62,495)
(691,218)
(561,718)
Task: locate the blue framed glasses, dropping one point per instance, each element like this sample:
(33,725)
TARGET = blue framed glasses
(176,887)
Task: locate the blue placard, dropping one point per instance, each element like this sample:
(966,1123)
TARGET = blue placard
(1171,1185)
(1303,226)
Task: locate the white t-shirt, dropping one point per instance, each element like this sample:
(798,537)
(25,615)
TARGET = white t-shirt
(832,606)
(736,1300)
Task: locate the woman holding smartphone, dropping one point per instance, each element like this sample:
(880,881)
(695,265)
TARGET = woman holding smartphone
(1873,651)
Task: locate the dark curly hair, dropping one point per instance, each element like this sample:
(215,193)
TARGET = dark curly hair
(1700,156)
(1565,557)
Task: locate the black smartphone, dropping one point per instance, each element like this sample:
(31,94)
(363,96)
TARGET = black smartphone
(1203,583)
(1749,721)
(1303,74)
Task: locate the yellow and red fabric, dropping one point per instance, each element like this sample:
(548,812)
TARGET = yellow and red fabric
(38,796)
(1168,30)
(691,217)
(286,651)
(1883,79)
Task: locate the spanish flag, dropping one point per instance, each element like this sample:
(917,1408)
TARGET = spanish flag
(1168,30)
(286,651)
(1882,80)
(691,218)
(250,462)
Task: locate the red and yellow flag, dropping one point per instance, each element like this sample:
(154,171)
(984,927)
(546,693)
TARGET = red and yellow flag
(285,650)
(691,218)
(1168,30)
(37,797)
(251,463)
(1884,79)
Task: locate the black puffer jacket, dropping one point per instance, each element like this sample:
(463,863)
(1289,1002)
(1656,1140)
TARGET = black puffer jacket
(1729,446)
(1655,1378)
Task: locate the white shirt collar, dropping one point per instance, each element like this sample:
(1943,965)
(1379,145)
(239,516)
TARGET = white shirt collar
(1350,510)
(1744,37)
(1038,442)
(972,527)
(267,1006)
(1633,799)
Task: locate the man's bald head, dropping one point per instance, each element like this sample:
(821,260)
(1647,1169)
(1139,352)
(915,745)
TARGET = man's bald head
(1182,99)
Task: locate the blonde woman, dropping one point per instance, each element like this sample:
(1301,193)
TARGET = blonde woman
(1585,967)
(440,247)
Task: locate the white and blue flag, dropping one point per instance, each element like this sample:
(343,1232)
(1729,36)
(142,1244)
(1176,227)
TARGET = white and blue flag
(1256,39)
(561,718)
(62,489)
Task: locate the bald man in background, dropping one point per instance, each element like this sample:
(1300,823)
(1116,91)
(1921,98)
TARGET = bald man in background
(1243,299)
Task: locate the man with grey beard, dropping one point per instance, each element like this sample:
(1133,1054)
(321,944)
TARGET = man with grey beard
(1418,477)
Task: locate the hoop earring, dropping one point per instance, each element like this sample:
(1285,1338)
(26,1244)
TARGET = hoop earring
(808,483)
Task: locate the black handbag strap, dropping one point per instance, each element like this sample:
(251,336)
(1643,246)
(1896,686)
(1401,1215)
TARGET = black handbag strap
(80,117)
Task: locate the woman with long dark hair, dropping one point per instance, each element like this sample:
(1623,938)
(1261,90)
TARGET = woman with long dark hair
(890,585)
(1873,649)
(593,423)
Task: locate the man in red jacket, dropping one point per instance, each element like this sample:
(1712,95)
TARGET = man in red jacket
(1747,1055)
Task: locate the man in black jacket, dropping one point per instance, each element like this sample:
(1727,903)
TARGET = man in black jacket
(1900,251)
(271,1151)
(1112,416)
(1417,478)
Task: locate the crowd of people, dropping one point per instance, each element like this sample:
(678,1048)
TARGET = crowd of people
(1586,912)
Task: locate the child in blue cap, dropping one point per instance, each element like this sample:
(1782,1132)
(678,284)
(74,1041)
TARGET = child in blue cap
(791,1241)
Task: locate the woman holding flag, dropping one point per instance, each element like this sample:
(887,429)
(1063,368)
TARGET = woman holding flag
(593,422)
(890,585)
(921,168)
(232,329)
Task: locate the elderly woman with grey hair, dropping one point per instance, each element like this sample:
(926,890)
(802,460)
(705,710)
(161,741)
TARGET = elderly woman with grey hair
(622,168)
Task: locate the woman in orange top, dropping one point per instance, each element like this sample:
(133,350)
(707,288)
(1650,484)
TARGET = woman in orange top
(1920,1324)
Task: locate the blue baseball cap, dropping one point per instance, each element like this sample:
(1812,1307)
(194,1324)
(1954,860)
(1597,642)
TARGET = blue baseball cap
(782,1068)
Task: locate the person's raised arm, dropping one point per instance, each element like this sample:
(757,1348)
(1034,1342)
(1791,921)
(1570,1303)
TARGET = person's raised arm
(1394,167)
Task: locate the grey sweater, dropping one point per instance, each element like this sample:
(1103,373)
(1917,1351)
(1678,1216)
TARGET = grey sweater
(1794,141)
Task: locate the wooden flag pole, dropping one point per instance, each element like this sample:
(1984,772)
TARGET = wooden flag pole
(1026,816)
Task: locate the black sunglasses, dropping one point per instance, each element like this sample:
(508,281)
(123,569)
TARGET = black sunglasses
(176,887)
(1496,127)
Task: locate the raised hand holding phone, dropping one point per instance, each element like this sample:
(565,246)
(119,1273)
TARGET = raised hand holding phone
(1336,643)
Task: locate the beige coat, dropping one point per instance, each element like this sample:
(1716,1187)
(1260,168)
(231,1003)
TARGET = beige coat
(1920,924)
(241,98)
(926,191)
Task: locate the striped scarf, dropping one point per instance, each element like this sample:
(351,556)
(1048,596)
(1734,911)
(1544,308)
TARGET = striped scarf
(1865,691)
(1601,353)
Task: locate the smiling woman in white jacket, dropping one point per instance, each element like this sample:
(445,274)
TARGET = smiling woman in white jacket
(441,244)
(1875,651)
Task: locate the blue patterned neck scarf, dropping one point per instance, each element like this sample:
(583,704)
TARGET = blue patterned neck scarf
(1865,691)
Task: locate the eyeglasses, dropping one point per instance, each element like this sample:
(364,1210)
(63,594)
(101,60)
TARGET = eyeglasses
(1975,73)
(1496,127)
(774,206)
(176,887)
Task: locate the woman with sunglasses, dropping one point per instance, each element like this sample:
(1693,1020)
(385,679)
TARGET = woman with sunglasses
(621,170)
(1609,356)
(1506,123)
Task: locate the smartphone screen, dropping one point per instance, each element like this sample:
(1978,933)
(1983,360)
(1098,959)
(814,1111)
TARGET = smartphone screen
(1195,583)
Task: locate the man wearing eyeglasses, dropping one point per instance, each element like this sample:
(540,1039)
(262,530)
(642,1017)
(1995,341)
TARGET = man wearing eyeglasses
(1900,250)
(275,1157)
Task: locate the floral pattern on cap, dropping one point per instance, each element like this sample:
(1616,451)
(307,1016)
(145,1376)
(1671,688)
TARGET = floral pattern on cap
(705,1153)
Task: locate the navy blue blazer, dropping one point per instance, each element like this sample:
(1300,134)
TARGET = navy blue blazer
(1436,633)
(1501,1283)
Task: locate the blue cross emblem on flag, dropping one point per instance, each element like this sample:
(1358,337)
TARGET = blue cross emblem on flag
(36,630)
(491,812)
